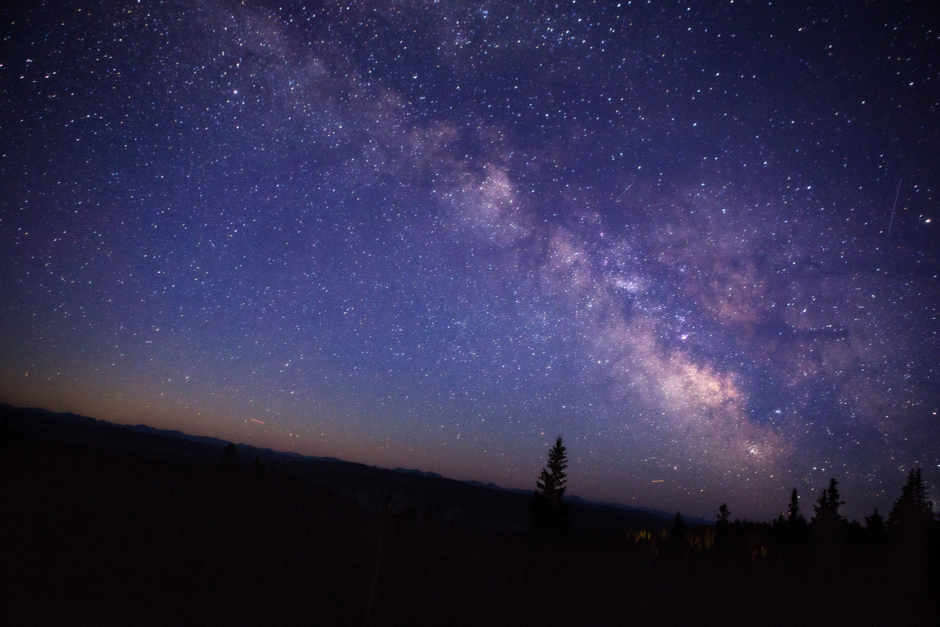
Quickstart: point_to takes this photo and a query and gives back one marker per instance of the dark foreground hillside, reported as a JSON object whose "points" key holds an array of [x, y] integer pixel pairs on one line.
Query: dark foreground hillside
{"points": [[101, 537]]}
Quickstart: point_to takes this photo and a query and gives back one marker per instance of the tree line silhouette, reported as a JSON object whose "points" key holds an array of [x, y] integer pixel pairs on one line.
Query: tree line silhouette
{"points": [[93, 537], [911, 530], [896, 561]]}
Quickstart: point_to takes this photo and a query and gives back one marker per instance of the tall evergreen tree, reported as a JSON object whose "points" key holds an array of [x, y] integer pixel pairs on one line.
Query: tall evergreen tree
{"points": [[827, 506], [912, 534], [677, 535], [828, 524], [723, 529], [914, 502], [723, 514], [875, 526], [912, 512], [795, 517], [549, 509]]}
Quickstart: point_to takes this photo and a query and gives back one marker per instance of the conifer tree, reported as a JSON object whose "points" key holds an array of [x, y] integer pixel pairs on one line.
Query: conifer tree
{"points": [[677, 535], [549, 509], [827, 506], [914, 499], [827, 524], [913, 509], [723, 514], [912, 533], [795, 517], [875, 526]]}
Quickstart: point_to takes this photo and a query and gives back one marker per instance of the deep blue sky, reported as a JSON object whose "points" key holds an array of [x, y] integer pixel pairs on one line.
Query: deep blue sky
{"points": [[700, 240]]}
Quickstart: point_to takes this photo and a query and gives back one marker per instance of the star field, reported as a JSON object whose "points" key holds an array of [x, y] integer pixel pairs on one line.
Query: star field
{"points": [[697, 239]]}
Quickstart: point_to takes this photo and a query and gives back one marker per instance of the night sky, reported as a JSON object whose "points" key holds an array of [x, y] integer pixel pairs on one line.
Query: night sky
{"points": [[701, 240]]}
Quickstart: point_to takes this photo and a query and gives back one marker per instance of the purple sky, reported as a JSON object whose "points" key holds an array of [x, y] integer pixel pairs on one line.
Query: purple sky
{"points": [[438, 234]]}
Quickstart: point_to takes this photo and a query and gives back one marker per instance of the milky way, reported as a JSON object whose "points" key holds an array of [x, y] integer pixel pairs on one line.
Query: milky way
{"points": [[438, 234]]}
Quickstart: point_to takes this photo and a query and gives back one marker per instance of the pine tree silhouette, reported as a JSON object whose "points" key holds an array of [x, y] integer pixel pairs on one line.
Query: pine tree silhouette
{"points": [[913, 507], [828, 525], [677, 535], [549, 509], [794, 516], [723, 514], [912, 535], [875, 527], [827, 506]]}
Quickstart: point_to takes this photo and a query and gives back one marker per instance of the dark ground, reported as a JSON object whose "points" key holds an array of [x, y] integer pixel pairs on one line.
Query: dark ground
{"points": [[133, 534]]}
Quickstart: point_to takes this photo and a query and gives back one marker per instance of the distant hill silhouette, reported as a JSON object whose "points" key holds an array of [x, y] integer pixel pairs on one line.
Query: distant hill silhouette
{"points": [[487, 505], [105, 524]]}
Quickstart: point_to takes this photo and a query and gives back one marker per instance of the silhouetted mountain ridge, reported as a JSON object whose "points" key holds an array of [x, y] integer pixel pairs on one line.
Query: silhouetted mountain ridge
{"points": [[106, 524], [487, 504]]}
